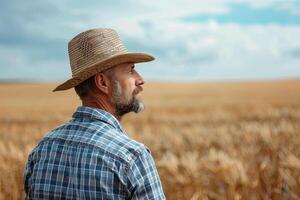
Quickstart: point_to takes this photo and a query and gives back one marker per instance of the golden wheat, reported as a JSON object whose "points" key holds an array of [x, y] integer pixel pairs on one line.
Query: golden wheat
{"points": [[209, 140]]}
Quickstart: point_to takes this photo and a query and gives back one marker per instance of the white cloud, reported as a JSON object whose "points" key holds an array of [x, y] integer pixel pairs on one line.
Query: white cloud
{"points": [[250, 50], [184, 50]]}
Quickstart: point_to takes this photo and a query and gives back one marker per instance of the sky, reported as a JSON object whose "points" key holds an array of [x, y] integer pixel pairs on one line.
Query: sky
{"points": [[192, 40]]}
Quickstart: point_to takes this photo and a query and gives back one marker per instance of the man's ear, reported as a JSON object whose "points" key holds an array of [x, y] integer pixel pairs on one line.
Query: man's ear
{"points": [[102, 82]]}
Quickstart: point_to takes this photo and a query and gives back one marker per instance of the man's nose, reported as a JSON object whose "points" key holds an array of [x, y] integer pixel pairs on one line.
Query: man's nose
{"points": [[139, 80]]}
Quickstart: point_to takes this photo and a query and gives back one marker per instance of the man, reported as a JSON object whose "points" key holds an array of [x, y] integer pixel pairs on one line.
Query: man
{"points": [[91, 156]]}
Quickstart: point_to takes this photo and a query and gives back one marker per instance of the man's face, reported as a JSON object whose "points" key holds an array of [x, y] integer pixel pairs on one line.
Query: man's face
{"points": [[126, 85]]}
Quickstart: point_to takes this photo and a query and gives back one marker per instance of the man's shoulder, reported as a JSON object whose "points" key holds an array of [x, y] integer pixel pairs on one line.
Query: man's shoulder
{"points": [[120, 144], [98, 136], [128, 148]]}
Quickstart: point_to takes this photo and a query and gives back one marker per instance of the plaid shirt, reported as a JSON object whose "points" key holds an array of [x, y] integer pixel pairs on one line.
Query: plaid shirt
{"points": [[91, 157]]}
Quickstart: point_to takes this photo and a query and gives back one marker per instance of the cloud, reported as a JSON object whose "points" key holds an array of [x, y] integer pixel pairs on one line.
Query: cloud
{"points": [[225, 48], [34, 36]]}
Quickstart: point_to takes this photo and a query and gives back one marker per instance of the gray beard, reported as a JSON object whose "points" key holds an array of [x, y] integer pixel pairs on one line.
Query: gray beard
{"points": [[133, 105]]}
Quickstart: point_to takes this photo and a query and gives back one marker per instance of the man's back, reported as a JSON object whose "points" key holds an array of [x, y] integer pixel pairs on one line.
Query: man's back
{"points": [[91, 157]]}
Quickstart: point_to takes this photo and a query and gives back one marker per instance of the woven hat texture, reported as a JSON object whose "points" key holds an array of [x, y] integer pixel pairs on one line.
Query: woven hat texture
{"points": [[96, 50]]}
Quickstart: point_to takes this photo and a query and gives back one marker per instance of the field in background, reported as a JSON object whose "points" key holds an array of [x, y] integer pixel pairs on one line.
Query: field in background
{"points": [[209, 140]]}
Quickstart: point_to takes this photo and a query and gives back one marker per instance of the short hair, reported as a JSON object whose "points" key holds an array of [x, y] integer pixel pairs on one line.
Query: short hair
{"points": [[84, 89]]}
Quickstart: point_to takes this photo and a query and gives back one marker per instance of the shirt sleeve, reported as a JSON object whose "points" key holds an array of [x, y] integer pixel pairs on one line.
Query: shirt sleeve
{"points": [[26, 178], [143, 179]]}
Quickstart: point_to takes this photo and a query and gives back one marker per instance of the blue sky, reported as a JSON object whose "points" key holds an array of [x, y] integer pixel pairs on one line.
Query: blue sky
{"points": [[192, 40]]}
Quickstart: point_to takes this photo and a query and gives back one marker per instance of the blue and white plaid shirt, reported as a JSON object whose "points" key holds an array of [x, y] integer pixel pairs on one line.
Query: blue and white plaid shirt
{"points": [[91, 157]]}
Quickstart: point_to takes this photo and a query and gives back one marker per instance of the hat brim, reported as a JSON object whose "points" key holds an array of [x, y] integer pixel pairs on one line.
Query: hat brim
{"points": [[103, 65]]}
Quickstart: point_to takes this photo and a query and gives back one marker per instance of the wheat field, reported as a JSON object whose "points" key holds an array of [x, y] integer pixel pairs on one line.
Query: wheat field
{"points": [[209, 140]]}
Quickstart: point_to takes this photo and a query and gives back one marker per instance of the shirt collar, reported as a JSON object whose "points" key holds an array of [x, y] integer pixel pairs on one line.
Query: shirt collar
{"points": [[97, 114]]}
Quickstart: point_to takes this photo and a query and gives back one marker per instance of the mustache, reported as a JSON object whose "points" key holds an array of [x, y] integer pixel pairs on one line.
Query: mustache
{"points": [[137, 90]]}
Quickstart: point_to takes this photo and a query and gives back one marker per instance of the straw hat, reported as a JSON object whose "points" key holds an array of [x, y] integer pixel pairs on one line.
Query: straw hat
{"points": [[95, 50]]}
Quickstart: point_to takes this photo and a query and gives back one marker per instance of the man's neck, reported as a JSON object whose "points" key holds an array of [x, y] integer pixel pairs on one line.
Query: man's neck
{"points": [[102, 103]]}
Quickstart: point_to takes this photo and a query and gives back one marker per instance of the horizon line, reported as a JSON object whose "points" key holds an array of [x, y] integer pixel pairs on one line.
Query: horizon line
{"points": [[35, 81]]}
